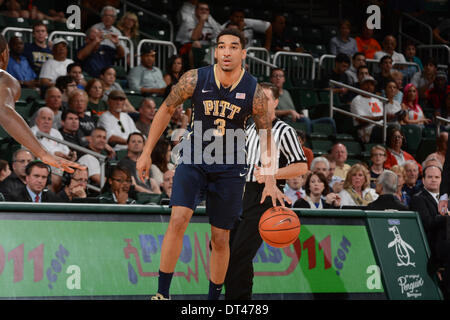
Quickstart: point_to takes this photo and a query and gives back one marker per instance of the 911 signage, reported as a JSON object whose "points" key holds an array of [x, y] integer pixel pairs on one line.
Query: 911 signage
{"points": [[57, 258]]}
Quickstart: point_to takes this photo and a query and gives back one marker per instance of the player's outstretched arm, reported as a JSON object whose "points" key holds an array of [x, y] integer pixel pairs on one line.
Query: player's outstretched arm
{"points": [[19, 130], [182, 91], [268, 149]]}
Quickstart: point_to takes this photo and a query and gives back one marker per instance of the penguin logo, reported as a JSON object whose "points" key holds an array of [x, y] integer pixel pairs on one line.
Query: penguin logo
{"points": [[401, 249]]}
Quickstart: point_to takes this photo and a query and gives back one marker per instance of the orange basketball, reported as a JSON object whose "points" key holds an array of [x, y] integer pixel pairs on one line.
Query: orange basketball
{"points": [[279, 227]]}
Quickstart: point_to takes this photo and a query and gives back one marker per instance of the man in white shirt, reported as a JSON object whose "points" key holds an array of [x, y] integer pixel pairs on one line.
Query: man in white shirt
{"points": [[250, 26], [369, 107], [118, 124], [389, 44], [56, 66], [97, 144]]}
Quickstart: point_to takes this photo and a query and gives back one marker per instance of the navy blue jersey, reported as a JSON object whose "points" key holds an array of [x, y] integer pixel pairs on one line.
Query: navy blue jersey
{"points": [[219, 118]]}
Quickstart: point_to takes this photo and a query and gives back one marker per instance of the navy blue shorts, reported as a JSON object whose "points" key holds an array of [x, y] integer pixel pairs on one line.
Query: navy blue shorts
{"points": [[222, 186]]}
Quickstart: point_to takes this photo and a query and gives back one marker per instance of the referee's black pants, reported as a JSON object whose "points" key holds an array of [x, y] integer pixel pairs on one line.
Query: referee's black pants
{"points": [[245, 242]]}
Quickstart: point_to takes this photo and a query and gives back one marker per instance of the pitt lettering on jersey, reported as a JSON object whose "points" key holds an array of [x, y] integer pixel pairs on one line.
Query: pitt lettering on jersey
{"points": [[218, 107]]}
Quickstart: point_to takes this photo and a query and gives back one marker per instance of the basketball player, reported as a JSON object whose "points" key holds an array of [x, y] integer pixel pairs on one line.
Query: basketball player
{"points": [[14, 124], [224, 96], [245, 236]]}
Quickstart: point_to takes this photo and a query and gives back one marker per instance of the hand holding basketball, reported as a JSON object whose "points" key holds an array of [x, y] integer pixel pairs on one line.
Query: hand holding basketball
{"points": [[279, 227]]}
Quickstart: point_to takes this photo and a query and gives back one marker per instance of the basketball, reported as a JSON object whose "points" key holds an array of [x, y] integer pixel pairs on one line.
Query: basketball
{"points": [[279, 227]]}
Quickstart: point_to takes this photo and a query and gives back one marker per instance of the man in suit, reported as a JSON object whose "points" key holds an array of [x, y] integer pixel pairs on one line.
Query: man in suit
{"points": [[386, 187], [426, 203], [16, 180], [37, 174]]}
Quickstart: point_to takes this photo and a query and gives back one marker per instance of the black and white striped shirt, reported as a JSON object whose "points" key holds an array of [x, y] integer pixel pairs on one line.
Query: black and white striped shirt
{"points": [[289, 149]]}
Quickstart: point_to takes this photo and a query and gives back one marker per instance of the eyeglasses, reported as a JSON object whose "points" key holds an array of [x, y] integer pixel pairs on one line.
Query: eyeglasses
{"points": [[23, 161], [121, 126], [122, 181], [80, 180]]}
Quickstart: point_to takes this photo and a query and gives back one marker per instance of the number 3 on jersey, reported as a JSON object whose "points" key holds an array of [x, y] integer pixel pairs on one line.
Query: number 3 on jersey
{"points": [[220, 123]]}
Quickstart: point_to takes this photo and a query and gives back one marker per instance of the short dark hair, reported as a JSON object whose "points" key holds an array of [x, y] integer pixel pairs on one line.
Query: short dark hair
{"points": [[342, 57], [66, 113], [135, 134], [424, 170], [359, 53], [102, 72], [361, 67], [385, 58], [276, 69], [232, 32], [73, 65], [62, 82], [36, 163], [39, 24]]}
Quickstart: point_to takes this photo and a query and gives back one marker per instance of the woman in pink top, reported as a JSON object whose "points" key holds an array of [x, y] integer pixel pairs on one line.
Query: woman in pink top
{"points": [[411, 105]]}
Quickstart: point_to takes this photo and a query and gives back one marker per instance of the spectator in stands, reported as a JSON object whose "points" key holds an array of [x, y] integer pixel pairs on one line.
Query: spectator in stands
{"points": [[39, 50], [16, 179], [384, 75], [389, 45], [294, 189], [106, 27], [441, 32], [5, 171], [386, 187], [424, 80], [301, 135], [395, 115], [398, 78], [76, 72], [281, 39], [186, 11], [108, 78], [129, 26], [369, 107], [167, 184], [161, 160], [36, 179], [146, 78], [78, 101], [335, 183], [18, 65], [96, 104], [436, 95], [53, 100], [361, 73], [147, 111], [343, 43], [412, 182], [366, 43], [179, 120], [441, 148], [358, 60], [435, 225], [317, 194], [357, 191], [338, 73], [117, 188], [378, 157], [320, 164], [56, 66], [339, 154], [75, 185], [118, 124], [401, 177], [174, 71], [411, 105], [97, 143], [95, 55], [66, 85], [135, 145], [71, 131], [410, 56], [196, 34], [286, 109], [250, 26], [395, 155]]}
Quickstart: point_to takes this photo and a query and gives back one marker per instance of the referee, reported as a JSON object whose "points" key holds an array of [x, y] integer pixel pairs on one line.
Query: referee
{"points": [[245, 240]]}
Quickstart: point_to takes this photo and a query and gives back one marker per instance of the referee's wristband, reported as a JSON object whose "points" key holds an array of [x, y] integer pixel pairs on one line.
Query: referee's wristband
{"points": [[444, 197]]}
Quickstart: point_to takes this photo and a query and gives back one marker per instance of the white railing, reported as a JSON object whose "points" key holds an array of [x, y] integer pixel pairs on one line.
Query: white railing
{"points": [[440, 52], [362, 92], [25, 33], [258, 60], [101, 158], [418, 24], [164, 50], [74, 38], [438, 124], [296, 65]]}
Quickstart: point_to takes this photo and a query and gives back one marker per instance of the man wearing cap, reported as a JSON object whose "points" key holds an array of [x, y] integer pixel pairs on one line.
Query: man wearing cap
{"points": [[118, 124], [57, 66], [368, 107], [146, 78]]}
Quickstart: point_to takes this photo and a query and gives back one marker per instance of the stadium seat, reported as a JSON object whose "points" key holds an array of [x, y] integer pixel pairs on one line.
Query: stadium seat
{"points": [[354, 149], [16, 22], [148, 198], [312, 35], [298, 126], [322, 131], [135, 99], [413, 135], [324, 97], [320, 146], [27, 93], [120, 154], [429, 132], [426, 147], [308, 99]]}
